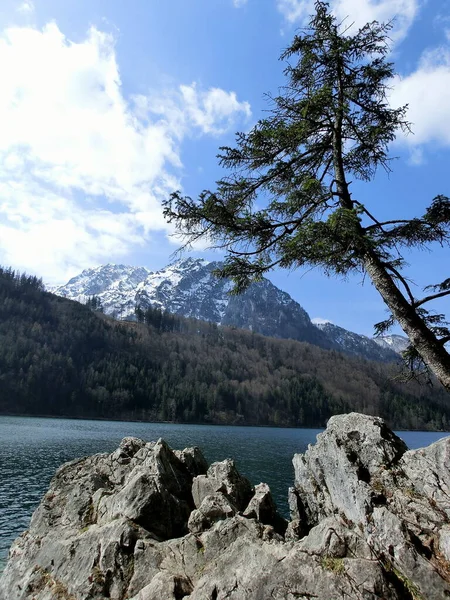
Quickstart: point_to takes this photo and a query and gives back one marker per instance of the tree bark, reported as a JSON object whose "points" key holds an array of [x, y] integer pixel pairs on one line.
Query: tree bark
{"points": [[421, 337]]}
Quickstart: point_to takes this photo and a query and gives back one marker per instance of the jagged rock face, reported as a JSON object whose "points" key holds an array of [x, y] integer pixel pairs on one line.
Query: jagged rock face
{"points": [[223, 477], [188, 288], [396, 343], [114, 284], [265, 309], [361, 345], [372, 521], [397, 500]]}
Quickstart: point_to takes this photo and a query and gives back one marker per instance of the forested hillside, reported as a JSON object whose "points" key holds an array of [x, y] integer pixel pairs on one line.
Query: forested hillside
{"points": [[58, 357]]}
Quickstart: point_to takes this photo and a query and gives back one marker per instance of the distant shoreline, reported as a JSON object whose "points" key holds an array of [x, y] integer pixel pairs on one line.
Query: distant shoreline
{"points": [[122, 420]]}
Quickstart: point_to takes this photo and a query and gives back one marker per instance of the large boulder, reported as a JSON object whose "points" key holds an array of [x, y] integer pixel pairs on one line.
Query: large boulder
{"points": [[82, 537], [370, 521], [213, 508], [361, 474], [223, 477], [334, 475]]}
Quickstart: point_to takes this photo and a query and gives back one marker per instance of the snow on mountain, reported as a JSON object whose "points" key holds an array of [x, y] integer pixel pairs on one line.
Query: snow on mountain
{"points": [[115, 285], [319, 321], [397, 343], [188, 288], [359, 345]]}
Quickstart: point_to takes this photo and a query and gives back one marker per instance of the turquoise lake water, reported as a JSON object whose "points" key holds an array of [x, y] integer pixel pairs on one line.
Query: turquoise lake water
{"points": [[31, 449]]}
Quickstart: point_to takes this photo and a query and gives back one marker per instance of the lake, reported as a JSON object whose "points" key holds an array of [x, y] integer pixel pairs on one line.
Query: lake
{"points": [[31, 449]]}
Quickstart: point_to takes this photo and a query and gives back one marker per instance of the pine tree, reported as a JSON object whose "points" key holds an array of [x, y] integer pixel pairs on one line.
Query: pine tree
{"points": [[94, 303], [140, 314], [330, 125]]}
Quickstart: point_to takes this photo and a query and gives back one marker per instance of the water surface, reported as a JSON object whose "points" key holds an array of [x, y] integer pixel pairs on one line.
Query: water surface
{"points": [[31, 449]]}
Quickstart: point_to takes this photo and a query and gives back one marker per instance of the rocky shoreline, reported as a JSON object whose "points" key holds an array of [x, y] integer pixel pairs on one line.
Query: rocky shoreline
{"points": [[369, 520]]}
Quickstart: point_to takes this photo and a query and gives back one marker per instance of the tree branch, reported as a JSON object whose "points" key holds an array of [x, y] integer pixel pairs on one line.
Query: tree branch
{"points": [[400, 277], [432, 297], [382, 224]]}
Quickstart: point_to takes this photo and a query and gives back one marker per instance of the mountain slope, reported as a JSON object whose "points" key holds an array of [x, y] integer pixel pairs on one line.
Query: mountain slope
{"points": [[188, 288], [396, 343], [360, 345], [57, 357], [115, 285]]}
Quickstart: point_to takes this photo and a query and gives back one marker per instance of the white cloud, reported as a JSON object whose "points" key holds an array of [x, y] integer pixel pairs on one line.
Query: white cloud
{"points": [[213, 111], [320, 321], [295, 11], [83, 170], [416, 156], [358, 12], [239, 3], [427, 93], [49, 234], [26, 7]]}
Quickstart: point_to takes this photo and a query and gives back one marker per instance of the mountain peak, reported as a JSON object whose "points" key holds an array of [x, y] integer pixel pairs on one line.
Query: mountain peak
{"points": [[98, 280], [355, 343], [187, 287], [188, 263]]}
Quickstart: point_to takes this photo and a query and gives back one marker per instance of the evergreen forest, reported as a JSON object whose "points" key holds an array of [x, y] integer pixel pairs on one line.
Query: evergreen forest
{"points": [[62, 358]]}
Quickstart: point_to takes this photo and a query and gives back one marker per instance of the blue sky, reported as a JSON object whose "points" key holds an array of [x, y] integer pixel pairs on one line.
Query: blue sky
{"points": [[107, 106]]}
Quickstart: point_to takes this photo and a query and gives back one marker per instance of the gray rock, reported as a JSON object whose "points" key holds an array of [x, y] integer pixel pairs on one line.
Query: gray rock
{"points": [[333, 539], [293, 531], [223, 477], [203, 486], [334, 475], [193, 460], [370, 521], [398, 501], [241, 564], [262, 507], [156, 494], [213, 508], [82, 537], [298, 526], [128, 447], [428, 471], [165, 586]]}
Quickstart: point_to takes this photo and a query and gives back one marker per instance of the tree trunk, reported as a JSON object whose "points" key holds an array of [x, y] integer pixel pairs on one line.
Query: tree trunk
{"points": [[422, 338]]}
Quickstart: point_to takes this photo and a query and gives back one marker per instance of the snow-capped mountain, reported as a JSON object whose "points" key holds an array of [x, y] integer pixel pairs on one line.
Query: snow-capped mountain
{"points": [[188, 288], [115, 285], [361, 345], [397, 343]]}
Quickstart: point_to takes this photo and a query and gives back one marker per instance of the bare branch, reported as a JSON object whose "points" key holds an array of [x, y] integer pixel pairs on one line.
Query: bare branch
{"points": [[432, 297]]}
